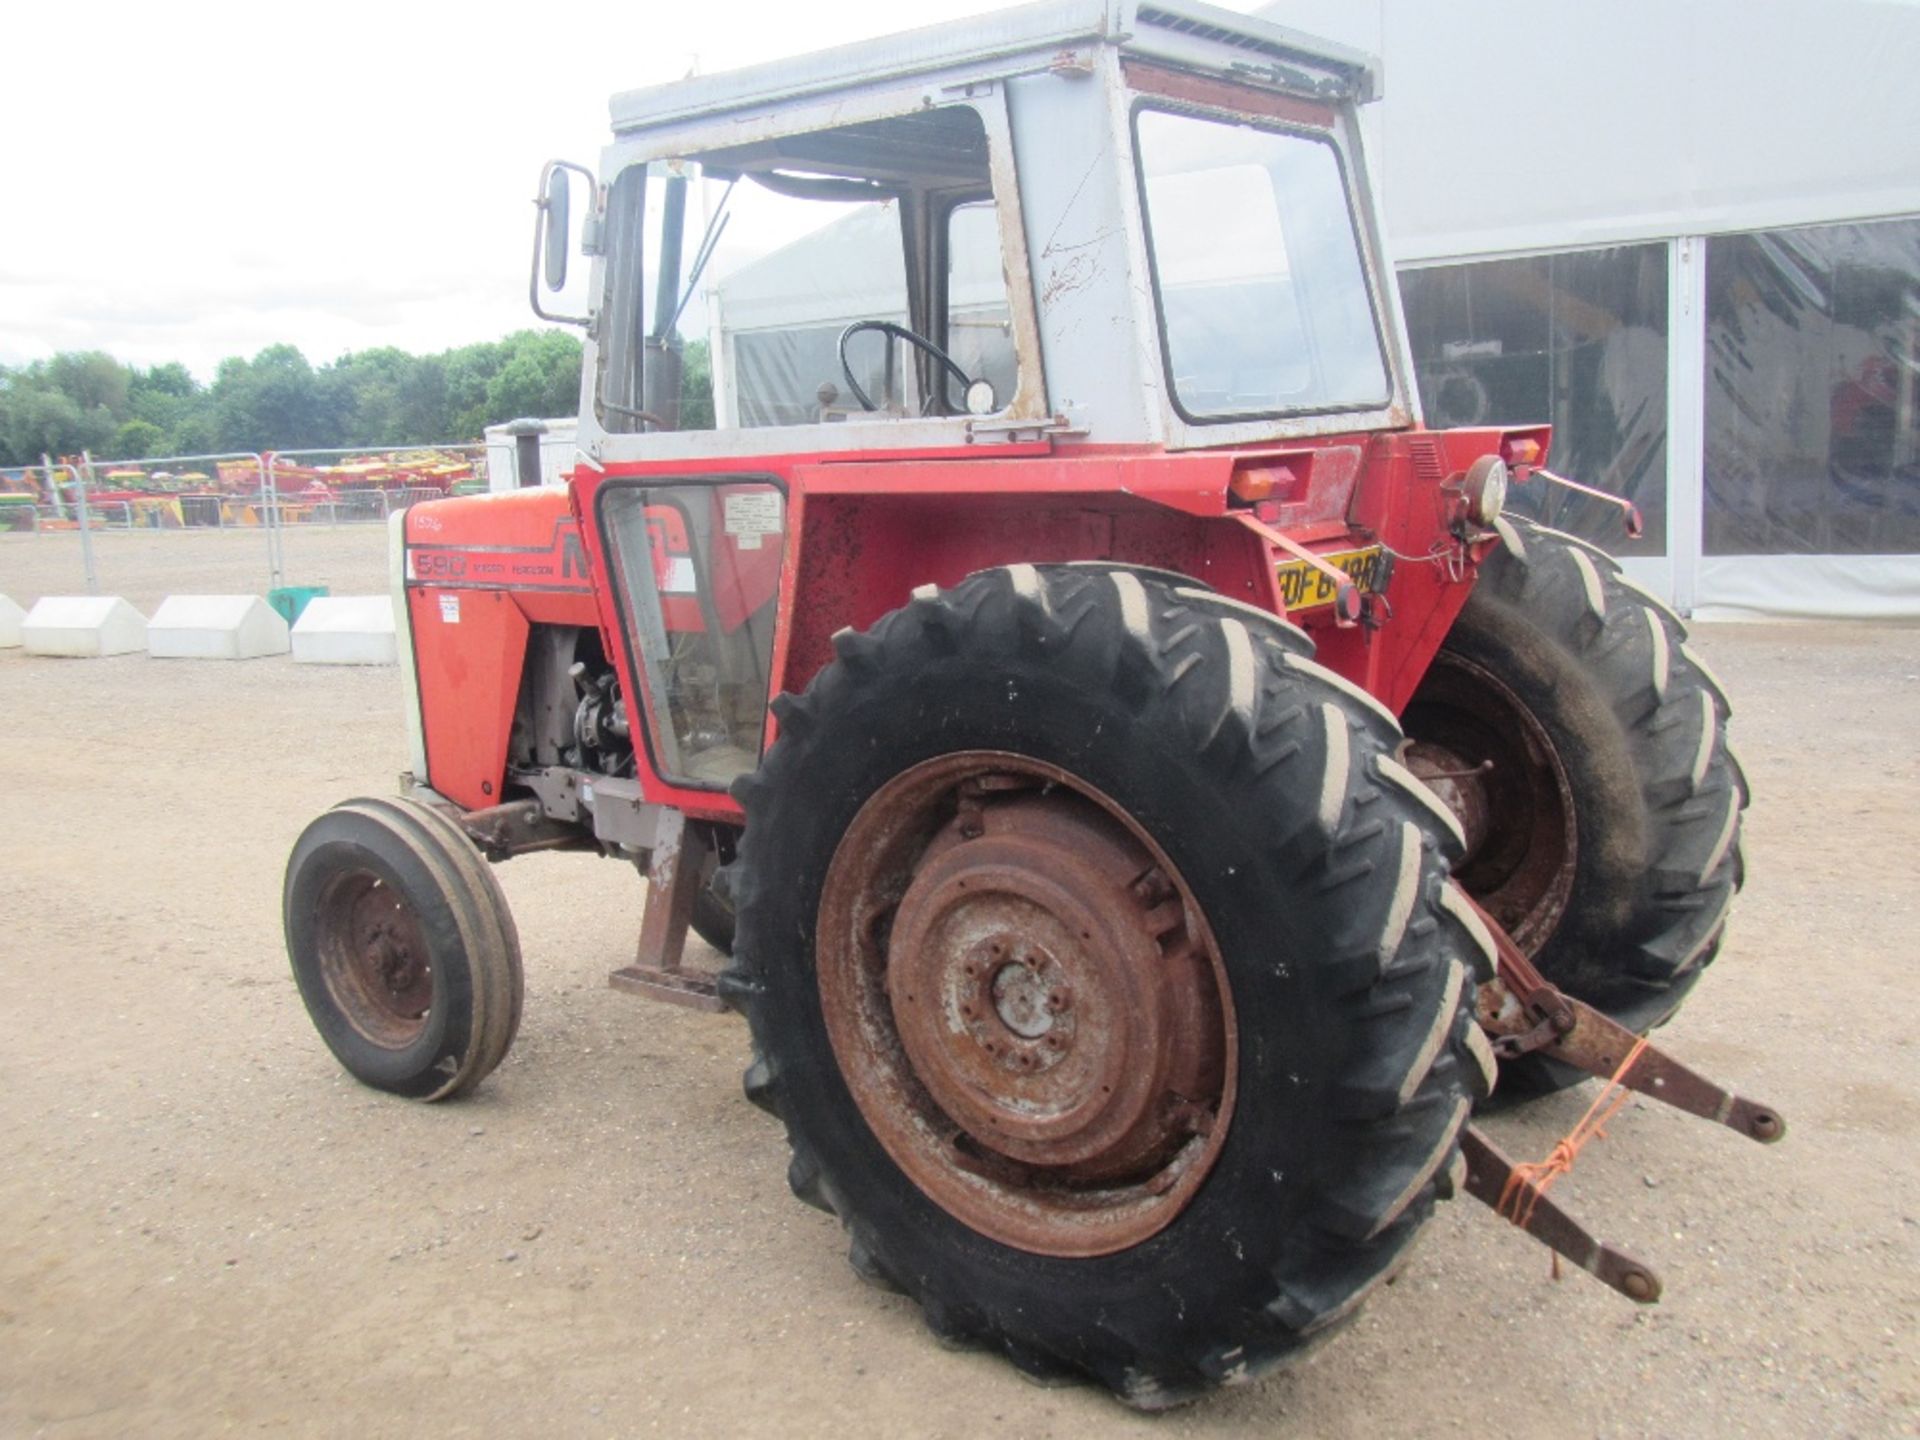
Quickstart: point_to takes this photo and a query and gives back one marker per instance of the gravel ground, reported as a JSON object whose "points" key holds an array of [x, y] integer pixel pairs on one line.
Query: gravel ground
{"points": [[205, 1226]]}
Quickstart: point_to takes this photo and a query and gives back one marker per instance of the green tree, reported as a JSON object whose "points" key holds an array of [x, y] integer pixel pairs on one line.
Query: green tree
{"points": [[539, 375], [92, 380], [422, 401], [169, 398], [272, 401], [277, 400], [696, 387], [39, 419], [468, 372], [196, 432], [137, 438], [362, 396]]}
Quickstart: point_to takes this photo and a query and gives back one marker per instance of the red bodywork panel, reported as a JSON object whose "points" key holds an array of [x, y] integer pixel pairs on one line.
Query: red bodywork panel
{"points": [[480, 570], [864, 529]]}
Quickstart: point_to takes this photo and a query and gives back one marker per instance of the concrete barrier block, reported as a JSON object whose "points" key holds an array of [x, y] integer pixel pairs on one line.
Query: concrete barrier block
{"points": [[215, 627], [83, 626], [346, 630], [10, 617]]}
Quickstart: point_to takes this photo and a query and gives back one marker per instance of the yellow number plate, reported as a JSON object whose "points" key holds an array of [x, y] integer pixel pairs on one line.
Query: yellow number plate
{"points": [[1302, 586]]}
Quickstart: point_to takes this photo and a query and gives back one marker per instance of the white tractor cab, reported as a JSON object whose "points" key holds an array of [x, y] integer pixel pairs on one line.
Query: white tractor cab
{"points": [[1032, 199]]}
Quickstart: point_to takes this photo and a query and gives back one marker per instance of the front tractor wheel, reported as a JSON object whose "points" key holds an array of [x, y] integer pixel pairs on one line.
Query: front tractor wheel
{"points": [[1583, 748], [403, 948], [1103, 966]]}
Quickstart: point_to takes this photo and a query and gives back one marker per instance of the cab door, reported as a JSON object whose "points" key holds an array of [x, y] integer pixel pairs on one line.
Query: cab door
{"points": [[689, 570]]}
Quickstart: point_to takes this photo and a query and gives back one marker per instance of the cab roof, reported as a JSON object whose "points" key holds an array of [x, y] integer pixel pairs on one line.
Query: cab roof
{"points": [[1180, 31]]}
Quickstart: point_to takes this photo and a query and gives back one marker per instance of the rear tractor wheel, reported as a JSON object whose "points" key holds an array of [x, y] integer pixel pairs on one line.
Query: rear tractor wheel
{"points": [[1103, 966], [1583, 748], [403, 948]]}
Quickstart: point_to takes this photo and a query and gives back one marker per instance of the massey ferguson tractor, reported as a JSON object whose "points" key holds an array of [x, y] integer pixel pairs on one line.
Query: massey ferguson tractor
{"points": [[1145, 787]]}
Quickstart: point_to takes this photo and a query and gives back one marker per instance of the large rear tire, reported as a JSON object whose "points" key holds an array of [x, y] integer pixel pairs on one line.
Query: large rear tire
{"points": [[1603, 824], [1032, 838], [403, 948]]}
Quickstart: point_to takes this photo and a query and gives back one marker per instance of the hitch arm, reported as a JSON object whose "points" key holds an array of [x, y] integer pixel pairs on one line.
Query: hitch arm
{"points": [[1524, 1013], [1597, 1045], [1490, 1179]]}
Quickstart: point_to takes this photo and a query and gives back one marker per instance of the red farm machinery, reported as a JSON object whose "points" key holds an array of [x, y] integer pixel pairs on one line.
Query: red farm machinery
{"points": [[1146, 788]]}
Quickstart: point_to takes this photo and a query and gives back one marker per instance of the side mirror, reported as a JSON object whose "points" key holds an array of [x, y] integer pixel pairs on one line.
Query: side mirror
{"points": [[553, 233], [557, 233]]}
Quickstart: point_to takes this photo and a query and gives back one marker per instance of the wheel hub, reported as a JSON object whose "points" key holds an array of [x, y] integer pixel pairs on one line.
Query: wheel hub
{"points": [[1460, 784], [374, 958], [1036, 1028], [1489, 760]]}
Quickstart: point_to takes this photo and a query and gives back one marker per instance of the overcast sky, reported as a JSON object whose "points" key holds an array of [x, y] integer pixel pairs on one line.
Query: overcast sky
{"points": [[192, 181]]}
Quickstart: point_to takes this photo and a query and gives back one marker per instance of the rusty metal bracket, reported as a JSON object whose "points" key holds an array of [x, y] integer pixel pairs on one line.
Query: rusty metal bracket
{"points": [[1597, 1044], [1490, 1179], [520, 828], [1629, 512], [1347, 607], [1524, 1013], [673, 881]]}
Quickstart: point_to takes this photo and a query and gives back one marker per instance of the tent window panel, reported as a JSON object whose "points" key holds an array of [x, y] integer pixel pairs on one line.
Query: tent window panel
{"points": [[1813, 391], [1578, 339], [793, 376]]}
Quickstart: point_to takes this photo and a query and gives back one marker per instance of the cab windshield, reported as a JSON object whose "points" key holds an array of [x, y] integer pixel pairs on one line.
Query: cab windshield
{"points": [[844, 275], [1258, 270]]}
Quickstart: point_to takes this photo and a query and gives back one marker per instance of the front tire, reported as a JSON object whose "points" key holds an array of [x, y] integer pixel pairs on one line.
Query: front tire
{"points": [[403, 948], [1077, 764], [1584, 748]]}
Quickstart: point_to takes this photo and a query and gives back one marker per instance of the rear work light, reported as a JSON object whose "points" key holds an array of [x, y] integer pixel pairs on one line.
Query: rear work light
{"points": [[1254, 483], [1521, 450]]}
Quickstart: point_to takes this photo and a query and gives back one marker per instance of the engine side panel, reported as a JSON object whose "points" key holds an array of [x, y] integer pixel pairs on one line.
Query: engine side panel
{"points": [[478, 571]]}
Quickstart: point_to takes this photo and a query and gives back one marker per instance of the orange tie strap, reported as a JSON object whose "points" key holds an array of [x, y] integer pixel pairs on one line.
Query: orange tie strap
{"points": [[1528, 1182]]}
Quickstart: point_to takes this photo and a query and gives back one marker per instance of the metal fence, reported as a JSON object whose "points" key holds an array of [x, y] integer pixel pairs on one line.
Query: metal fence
{"points": [[275, 493], [302, 488]]}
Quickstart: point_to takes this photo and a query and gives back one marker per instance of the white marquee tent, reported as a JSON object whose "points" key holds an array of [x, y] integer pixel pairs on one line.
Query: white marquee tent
{"points": [[1692, 233]]}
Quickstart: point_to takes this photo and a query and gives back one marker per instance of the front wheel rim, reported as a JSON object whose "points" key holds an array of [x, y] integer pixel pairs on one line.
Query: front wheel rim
{"points": [[1026, 1004], [373, 958]]}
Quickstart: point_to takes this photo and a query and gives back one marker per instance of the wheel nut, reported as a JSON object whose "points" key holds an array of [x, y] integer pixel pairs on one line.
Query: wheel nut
{"points": [[1059, 998]]}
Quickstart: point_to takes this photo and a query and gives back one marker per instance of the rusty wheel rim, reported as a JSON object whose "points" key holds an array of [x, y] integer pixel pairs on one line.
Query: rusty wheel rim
{"points": [[1026, 1003], [374, 958], [1493, 765]]}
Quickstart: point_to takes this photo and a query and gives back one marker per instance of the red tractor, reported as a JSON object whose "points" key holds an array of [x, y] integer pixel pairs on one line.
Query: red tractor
{"points": [[1146, 786]]}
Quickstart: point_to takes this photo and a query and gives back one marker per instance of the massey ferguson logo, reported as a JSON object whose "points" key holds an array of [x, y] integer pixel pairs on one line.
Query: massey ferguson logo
{"points": [[559, 565]]}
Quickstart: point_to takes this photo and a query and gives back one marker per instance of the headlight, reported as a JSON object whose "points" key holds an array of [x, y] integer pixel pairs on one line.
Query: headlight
{"points": [[1485, 490]]}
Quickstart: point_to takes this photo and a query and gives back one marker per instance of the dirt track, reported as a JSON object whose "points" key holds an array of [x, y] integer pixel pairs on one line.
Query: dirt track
{"points": [[205, 1226]]}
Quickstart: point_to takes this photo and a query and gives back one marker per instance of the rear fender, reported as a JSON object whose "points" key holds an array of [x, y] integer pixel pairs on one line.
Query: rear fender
{"points": [[860, 537]]}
